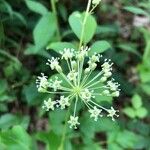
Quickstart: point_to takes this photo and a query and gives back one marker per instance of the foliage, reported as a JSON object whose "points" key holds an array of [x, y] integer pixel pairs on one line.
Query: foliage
{"points": [[28, 28]]}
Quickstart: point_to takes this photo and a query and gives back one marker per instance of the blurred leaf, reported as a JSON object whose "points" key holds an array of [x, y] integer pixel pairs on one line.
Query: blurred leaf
{"points": [[103, 29], [146, 88], [76, 22], [51, 140], [36, 7], [59, 46], [44, 30], [146, 34], [20, 17], [136, 101], [7, 7], [3, 86], [16, 139], [130, 112], [141, 112], [9, 120], [136, 10], [130, 47], [2, 34], [99, 47], [127, 139], [92, 146]]}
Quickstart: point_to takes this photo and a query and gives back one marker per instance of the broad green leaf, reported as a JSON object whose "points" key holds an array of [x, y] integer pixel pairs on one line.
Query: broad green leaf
{"points": [[36, 7], [130, 112], [56, 119], [32, 96], [99, 47], [141, 112], [136, 101], [35, 50], [136, 10], [76, 23], [44, 30], [59, 46], [16, 139]]}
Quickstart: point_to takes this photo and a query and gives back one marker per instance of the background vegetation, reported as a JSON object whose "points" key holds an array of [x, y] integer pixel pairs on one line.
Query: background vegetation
{"points": [[27, 28]]}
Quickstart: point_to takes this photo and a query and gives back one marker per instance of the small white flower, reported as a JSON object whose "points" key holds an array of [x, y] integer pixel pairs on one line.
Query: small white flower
{"points": [[54, 64], [64, 101], [55, 84], [115, 94], [113, 86], [68, 53], [92, 65], [49, 104], [107, 68], [112, 112], [72, 75], [96, 2], [83, 53], [95, 113], [86, 95], [73, 122], [95, 57], [106, 92], [42, 83]]}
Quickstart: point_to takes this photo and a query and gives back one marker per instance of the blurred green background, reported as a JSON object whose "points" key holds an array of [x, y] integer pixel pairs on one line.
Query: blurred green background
{"points": [[27, 28]]}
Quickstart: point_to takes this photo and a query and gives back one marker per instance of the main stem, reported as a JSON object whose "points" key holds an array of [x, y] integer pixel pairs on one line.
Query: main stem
{"points": [[53, 4], [84, 22]]}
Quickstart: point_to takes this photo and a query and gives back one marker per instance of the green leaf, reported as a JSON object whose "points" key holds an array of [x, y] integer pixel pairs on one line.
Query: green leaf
{"points": [[32, 96], [136, 10], [56, 119], [129, 47], [9, 120], [20, 17], [44, 30], [146, 88], [99, 47], [51, 140], [141, 112], [76, 22], [36, 7], [136, 101], [16, 139], [127, 139], [59, 46], [3, 86], [130, 112]]}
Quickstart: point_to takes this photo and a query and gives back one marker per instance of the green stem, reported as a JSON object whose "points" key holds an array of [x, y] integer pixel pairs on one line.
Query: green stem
{"points": [[53, 4], [84, 22]]}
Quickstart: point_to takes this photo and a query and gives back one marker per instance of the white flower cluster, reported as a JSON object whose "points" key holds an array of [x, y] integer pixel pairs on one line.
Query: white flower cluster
{"points": [[82, 84]]}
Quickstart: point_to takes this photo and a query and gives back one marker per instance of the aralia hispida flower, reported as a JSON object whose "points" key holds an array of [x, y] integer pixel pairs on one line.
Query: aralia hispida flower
{"points": [[81, 84]]}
